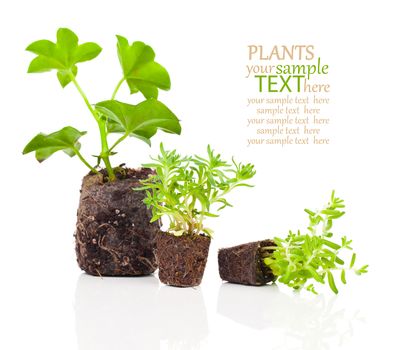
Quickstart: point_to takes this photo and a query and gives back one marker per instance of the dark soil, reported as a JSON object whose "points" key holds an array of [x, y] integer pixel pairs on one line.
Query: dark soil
{"points": [[182, 259], [114, 236], [244, 263]]}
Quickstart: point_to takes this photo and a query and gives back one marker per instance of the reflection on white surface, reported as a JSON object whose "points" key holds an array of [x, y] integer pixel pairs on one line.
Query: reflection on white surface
{"points": [[182, 317], [134, 313], [116, 313], [312, 323]]}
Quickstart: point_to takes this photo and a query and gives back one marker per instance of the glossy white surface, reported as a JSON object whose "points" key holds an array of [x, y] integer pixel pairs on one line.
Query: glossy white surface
{"points": [[140, 313]]}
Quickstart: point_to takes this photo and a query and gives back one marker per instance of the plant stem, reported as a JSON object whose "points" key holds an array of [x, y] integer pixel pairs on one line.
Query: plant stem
{"points": [[270, 247], [105, 150], [117, 88], [102, 127], [72, 77], [118, 141], [84, 161]]}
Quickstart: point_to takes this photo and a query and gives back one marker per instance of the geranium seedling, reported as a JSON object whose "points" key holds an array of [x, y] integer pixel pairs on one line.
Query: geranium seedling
{"points": [[141, 73], [114, 235]]}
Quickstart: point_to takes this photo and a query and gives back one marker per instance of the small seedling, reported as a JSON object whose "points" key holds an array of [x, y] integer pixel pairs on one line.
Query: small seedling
{"points": [[300, 259], [187, 190], [141, 73]]}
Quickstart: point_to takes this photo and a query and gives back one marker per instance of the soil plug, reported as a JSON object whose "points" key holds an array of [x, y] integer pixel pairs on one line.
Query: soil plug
{"points": [[187, 190], [244, 263], [114, 235], [299, 260]]}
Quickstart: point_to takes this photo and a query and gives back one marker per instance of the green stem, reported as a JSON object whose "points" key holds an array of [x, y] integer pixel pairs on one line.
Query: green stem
{"points": [[84, 161], [269, 247], [72, 77], [117, 88], [105, 150], [102, 127], [123, 137]]}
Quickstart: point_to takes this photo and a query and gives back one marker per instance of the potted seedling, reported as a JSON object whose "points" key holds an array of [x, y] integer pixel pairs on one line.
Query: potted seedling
{"points": [[114, 235], [187, 190], [298, 260]]}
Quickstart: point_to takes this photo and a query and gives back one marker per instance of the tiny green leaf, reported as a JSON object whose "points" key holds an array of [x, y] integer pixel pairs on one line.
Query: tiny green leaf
{"points": [[65, 140], [343, 276], [362, 270], [331, 244], [339, 261], [331, 282], [353, 260], [311, 288], [314, 274]]}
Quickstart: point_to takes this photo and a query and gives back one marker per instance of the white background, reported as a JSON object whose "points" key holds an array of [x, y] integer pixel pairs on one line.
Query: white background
{"points": [[47, 303]]}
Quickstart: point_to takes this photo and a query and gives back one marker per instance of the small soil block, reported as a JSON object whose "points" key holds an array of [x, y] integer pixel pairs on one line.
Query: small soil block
{"points": [[114, 236], [182, 259], [244, 264]]}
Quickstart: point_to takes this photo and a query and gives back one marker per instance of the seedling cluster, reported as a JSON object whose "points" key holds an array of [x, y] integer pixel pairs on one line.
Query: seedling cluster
{"points": [[187, 190], [313, 256]]}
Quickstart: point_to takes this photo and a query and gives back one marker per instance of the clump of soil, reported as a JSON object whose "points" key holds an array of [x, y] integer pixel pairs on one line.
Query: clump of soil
{"points": [[114, 236], [244, 264], [182, 259]]}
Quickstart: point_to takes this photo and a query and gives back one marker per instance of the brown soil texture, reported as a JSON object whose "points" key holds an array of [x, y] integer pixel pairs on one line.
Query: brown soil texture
{"points": [[114, 236], [182, 259], [244, 264]]}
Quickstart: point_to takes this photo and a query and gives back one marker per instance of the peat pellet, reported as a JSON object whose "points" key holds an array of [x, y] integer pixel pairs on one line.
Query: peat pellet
{"points": [[244, 264], [114, 236], [182, 259]]}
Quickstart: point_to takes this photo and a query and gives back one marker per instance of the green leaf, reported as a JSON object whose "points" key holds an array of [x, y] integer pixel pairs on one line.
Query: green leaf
{"points": [[62, 56], [311, 288], [310, 212], [353, 260], [331, 282], [208, 214], [343, 277], [65, 140], [140, 70], [86, 52], [362, 270], [42, 47], [314, 274], [67, 40], [331, 244], [339, 261], [63, 76], [44, 64], [142, 120]]}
